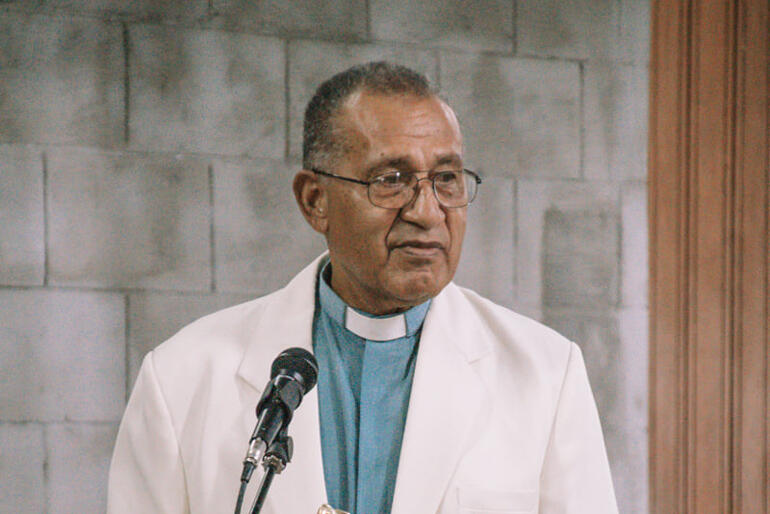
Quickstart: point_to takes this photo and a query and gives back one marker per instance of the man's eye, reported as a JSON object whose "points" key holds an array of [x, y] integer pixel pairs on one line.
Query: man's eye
{"points": [[447, 177], [395, 179]]}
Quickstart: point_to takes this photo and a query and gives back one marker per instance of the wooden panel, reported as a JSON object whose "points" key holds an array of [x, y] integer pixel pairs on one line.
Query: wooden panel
{"points": [[711, 178], [708, 173], [667, 197], [752, 306]]}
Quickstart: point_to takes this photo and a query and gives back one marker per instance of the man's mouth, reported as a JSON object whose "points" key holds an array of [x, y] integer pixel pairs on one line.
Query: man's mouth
{"points": [[420, 248]]}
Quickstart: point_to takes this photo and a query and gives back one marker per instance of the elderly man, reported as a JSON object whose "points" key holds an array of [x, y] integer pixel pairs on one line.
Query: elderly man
{"points": [[430, 398]]}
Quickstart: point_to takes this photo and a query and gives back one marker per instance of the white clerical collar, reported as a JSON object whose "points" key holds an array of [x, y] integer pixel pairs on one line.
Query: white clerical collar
{"points": [[375, 329]]}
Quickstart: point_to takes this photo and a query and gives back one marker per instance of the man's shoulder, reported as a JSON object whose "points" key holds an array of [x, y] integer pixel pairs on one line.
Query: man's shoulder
{"points": [[223, 336], [515, 353], [219, 337], [507, 323], [510, 337]]}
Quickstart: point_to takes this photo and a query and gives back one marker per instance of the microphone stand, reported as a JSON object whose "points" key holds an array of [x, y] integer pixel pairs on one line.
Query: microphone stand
{"points": [[293, 373], [275, 460]]}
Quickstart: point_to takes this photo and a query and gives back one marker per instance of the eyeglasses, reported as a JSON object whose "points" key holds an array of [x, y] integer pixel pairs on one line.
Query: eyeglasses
{"points": [[395, 189]]}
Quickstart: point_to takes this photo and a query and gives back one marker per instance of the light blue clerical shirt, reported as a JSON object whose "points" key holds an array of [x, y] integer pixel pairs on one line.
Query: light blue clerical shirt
{"points": [[366, 364]]}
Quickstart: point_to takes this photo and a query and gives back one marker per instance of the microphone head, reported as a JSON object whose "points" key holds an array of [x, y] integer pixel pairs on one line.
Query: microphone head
{"points": [[298, 364]]}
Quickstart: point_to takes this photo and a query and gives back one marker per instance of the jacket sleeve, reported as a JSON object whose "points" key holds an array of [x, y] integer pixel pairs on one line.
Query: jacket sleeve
{"points": [[146, 473], [576, 474]]}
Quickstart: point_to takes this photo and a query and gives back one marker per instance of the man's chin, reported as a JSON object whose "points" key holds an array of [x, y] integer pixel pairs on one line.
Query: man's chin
{"points": [[416, 288]]}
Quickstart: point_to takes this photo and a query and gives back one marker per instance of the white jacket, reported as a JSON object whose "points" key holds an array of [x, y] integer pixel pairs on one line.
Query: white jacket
{"points": [[501, 416]]}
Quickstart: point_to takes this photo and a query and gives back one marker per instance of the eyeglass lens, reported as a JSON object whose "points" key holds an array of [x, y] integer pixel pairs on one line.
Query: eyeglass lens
{"points": [[395, 190]]}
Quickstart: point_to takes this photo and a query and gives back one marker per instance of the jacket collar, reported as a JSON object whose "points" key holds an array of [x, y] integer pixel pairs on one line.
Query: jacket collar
{"points": [[282, 320], [447, 396]]}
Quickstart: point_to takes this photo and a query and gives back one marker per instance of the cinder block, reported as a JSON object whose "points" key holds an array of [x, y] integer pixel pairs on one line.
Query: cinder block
{"points": [[22, 461], [519, 117], [635, 31], [626, 433], [532, 311], [615, 351], [575, 229], [567, 237], [615, 122], [487, 263], [171, 10], [78, 464], [580, 260], [570, 278], [63, 355], [614, 345], [312, 62], [128, 220], [338, 19], [22, 244], [579, 29], [634, 250], [598, 337], [205, 91], [467, 25], [22, 5], [61, 80], [634, 329], [262, 240], [627, 451], [154, 317]]}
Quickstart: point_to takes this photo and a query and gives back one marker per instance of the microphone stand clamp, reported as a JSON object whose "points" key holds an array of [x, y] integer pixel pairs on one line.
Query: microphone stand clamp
{"points": [[277, 456]]}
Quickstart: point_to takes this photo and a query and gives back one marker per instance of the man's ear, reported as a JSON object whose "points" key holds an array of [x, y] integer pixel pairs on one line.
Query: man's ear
{"points": [[312, 200]]}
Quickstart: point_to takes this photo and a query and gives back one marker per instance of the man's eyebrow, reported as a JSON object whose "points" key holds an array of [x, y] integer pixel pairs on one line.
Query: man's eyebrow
{"points": [[451, 158], [404, 163], [399, 163]]}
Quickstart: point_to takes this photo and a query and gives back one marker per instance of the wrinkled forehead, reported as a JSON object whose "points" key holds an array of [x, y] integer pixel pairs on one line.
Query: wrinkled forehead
{"points": [[383, 110], [371, 119]]}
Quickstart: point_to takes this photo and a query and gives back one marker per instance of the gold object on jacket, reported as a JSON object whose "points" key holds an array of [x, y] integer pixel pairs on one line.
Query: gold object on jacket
{"points": [[325, 509]]}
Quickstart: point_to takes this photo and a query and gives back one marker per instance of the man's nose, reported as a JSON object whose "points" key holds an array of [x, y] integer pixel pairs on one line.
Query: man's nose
{"points": [[424, 209]]}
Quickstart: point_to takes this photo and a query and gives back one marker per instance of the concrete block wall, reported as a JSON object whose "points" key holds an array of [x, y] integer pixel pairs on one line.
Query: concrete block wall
{"points": [[146, 153]]}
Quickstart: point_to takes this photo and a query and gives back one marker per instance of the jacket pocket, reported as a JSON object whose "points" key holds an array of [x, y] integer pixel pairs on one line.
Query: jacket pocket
{"points": [[492, 501]]}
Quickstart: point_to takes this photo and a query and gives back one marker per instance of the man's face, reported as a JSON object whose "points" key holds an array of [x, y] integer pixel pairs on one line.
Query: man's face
{"points": [[387, 260]]}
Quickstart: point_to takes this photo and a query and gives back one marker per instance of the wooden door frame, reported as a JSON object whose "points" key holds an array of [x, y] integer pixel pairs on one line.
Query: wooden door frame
{"points": [[709, 287]]}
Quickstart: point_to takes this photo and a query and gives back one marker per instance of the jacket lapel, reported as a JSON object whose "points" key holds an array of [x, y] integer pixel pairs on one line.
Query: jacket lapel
{"points": [[285, 322], [447, 402]]}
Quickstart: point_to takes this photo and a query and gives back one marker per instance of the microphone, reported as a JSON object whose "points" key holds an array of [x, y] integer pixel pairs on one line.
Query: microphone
{"points": [[292, 375]]}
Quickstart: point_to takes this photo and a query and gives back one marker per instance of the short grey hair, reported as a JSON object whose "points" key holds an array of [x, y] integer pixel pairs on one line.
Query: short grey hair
{"points": [[320, 145]]}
